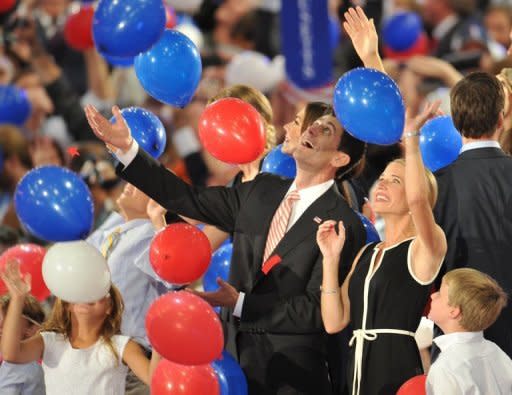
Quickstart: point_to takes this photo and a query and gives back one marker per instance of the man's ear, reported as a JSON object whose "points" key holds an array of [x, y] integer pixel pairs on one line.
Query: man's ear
{"points": [[340, 159]]}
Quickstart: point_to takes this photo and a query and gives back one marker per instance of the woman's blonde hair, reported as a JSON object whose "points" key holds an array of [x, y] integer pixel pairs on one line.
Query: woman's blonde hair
{"points": [[259, 101], [477, 295], [60, 319], [431, 183]]}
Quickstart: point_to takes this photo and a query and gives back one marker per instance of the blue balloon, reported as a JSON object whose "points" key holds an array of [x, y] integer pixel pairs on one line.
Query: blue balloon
{"points": [[15, 107], [219, 267], [277, 162], [440, 142], [118, 61], [146, 129], [231, 377], [402, 30], [170, 71], [369, 106], [54, 204], [127, 27], [371, 233]]}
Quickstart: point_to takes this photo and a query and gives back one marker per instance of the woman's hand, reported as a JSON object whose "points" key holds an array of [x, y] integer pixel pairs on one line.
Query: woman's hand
{"points": [[362, 32], [414, 124], [19, 286], [116, 135], [329, 241]]}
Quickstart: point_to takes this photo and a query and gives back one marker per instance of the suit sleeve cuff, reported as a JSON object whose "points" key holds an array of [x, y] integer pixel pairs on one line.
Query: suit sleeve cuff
{"points": [[127, 157], [237, 312]]}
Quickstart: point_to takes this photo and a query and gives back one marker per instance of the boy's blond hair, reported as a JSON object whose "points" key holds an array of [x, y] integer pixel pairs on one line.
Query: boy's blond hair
{"points": [[478, 296]]}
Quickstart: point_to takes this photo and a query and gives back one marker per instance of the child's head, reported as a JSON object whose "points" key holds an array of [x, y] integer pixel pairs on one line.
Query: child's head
{"points": [[33, 315], [108, 310], [468, 300]]}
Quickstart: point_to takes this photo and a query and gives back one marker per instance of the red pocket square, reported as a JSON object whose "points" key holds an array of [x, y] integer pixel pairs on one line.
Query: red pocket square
{"points": [[270, 263]]}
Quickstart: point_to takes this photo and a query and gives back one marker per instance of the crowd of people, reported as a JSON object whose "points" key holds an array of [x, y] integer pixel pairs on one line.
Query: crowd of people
{"points": [[309, 306]]}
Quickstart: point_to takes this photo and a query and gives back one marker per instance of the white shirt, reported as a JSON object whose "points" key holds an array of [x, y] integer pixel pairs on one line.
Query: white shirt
{"points": [[469, 365], [131, 270], [88, 371], [480, 144], [21, 379], [307, 197]]}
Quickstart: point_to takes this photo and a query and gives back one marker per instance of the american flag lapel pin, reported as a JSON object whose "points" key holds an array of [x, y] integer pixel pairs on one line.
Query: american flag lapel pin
{"points": [[318, 220]]}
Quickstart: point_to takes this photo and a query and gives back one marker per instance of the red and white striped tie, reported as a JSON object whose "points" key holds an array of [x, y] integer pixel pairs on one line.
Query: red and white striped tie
{"points": [[280, 223]]}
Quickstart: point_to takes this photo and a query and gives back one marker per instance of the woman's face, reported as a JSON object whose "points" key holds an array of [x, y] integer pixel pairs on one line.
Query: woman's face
{"points": [[388, 196], [292, 129]]}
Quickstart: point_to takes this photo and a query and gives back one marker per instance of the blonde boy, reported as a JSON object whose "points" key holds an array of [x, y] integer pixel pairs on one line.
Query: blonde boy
{"points": [[467, 303]]}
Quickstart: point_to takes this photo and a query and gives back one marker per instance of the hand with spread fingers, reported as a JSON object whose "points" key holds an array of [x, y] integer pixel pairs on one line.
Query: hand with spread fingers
{"points": [[225, 296], [19, 286], [362, 33], [116, 135]]}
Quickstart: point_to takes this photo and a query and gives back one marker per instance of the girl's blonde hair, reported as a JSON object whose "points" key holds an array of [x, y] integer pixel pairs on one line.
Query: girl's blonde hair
{"points": [[431, 183], [259, 101], [60, 319]]}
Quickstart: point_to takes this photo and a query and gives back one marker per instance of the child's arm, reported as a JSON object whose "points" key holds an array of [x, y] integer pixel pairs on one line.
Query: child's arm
{"points": [[143, 368], [13, 349]]}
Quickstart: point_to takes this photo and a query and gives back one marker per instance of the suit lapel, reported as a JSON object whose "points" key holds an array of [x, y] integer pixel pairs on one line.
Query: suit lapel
{"points": [[304, 226]]}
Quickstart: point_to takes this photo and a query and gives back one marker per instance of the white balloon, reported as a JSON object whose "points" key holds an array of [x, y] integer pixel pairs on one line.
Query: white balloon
{"points": [[76, 272], [192, 32]]}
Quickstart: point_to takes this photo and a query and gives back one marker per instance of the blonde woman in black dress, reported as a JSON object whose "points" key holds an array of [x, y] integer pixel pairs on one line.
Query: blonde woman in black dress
{"points": [[387, 289]]}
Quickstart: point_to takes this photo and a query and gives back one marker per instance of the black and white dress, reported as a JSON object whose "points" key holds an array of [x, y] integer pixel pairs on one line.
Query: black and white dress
{"points": [[386, 305]]}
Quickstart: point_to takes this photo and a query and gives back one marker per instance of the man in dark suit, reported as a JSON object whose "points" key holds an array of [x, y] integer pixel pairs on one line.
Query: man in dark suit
{"points": [[474, 206], [272, 305]]}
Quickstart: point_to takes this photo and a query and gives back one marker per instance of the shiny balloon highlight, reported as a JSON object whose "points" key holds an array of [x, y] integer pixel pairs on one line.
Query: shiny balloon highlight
{"points": [[146, 128], [440, 142], [54, 204], [171, 70], [369, 106], [184, 329], [232, 131], [128, 27]]}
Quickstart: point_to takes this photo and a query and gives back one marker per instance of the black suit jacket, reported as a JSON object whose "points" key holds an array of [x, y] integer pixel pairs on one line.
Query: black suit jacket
{"points": [[474, 208], [279, 339]]}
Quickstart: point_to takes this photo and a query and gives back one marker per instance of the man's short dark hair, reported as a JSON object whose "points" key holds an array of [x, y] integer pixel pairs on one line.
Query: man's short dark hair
{"points": [[476, 103]]}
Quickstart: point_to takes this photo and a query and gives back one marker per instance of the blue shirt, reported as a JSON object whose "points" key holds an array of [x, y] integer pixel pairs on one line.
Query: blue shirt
{"points": [[21, 379], [128, 245]]}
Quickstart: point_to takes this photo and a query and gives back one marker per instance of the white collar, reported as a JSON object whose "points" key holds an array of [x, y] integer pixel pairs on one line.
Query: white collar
{"points": [[480, 144], [444, 26], [446, 341], [313, 191]]}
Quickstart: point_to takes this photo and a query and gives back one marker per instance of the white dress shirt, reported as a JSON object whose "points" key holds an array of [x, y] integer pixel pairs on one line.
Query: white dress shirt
{"points": [[469, 365], [131, 270], [480, 144]]}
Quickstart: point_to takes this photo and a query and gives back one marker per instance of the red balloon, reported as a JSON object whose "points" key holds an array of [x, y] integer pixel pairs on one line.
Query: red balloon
{"points": [[6, 5], [172, 379], [30, 257], [232, 131], [170, 17], [180, 253], [420, 47], [183, 328], [414, 386], [78, 29]]}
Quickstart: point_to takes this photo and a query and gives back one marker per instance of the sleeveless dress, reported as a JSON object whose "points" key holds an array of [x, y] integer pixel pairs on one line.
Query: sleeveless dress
{"points": [[385, 310]]}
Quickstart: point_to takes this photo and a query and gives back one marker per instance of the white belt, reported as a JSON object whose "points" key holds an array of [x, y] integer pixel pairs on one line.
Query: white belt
{"points": [[360, 335]]}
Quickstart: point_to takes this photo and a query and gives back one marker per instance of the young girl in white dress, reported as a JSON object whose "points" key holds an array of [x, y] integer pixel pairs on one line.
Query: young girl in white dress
{"points": [[80, 345]]}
